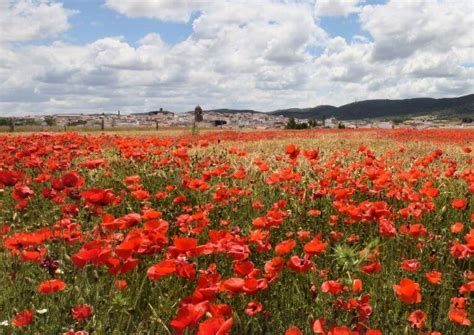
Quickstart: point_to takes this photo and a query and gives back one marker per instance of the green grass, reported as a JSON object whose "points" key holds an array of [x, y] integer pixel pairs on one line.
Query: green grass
{"points": [[146, 307]]}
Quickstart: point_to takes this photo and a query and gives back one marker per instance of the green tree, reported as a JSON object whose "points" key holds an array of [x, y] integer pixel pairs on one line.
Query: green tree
{"points": [[312, 123], [291, 123], [4, 121], [50, 120]]}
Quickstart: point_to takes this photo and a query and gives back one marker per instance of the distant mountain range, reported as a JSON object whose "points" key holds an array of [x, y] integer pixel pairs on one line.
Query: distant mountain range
{"points": [[382, 109], [233, 111]]}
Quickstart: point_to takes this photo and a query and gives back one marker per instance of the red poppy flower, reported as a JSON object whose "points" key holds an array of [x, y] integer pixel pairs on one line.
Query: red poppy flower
{"points": [[10, 178], [376, 332], [316, 246], [356, 285], [274, 266], [233, 285], [434, 277], [341, 330], [332, 286], [81, 312], [188, 316], [243, 268], [179, 199], [459, 316], [33, 255], [98, 197], [458, 303], [120, 284], [408, 291], [457, 227], [257, 205], [414, 230], [311, 154], [314, 212], [89, 253], [161, 269], [410, 265], [125, 249], [71, 179], [304, 235], [215, 326], [299, 264], [285, 247], [417, 319], [292, 151], [185, 244], [372, 267], [459, 203], [239, 174], [253, 308], [51, 286], [23, 318], [94, 163], [22, 192], [131, 179], [141, 195], [293, 331], [469, 287], [387, 228], [185, 269], [160, 195], [318, 326]]}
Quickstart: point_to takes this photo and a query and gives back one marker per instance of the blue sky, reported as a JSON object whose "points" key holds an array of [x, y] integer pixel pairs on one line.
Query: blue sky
{"points": [[63, 56], [95, 20]]}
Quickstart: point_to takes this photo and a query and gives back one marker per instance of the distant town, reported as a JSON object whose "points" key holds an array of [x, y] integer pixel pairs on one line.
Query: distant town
{"points": [[227, 119]]}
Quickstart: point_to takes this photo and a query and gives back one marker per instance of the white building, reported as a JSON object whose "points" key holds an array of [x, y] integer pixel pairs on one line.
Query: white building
{"points": [[331, 122], [385, 125]]}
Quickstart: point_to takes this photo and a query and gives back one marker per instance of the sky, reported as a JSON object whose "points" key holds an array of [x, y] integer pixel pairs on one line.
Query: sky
{"points": [[90, 56]]}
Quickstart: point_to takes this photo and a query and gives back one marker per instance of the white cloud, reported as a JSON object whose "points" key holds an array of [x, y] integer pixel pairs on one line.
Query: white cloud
{"points": [[243, 54], [166, 10], [336, 7], [29, 19], [401, 28], [428, 65]]}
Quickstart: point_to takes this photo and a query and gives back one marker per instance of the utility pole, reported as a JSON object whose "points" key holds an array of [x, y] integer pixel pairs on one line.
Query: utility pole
{"points": [[102, 122], [12, 124]]}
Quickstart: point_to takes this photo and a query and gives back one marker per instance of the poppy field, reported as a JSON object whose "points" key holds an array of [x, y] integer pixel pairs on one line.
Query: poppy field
{"points": [[329, 232]]}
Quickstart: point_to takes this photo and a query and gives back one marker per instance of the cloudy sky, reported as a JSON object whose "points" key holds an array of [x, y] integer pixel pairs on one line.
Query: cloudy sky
{"points": [[138, 55]]}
